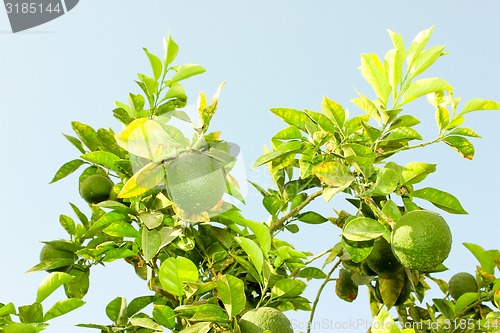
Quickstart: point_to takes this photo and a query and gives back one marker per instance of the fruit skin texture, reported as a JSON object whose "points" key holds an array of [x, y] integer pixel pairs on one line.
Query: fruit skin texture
{"points": [[96, 188], [265, 318], [462, 283], [196, 182], [51, 253], [421, 240], [381, 260]]}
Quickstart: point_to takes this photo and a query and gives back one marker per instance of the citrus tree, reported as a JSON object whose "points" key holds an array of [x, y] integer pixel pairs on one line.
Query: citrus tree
{"points": [[165, 202]]}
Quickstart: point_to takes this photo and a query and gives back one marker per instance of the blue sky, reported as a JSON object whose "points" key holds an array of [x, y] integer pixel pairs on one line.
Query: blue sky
{"points": [[271, 54]]}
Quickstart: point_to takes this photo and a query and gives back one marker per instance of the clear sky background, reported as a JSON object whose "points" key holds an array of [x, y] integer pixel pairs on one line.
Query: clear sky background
{"points": [[271, 54]]}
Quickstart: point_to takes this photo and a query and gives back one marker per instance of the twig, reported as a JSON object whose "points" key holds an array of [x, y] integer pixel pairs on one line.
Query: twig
{"points": [[318, 295], [279, 223], [310, 260]]}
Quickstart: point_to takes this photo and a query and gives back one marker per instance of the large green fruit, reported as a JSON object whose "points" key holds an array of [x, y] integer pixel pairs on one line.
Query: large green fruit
{"points": [[381, 260], [196, 182], [261, 319], [421, 240], [96, 188], [462, 283], [60, 261]]}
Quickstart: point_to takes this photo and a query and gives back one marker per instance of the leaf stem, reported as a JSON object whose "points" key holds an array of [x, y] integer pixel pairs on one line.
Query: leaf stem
{"points": [[318, 295], [279, 223]]}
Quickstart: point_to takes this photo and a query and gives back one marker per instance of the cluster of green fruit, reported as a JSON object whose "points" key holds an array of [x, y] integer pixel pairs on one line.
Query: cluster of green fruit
{"points": [[421, 241]]}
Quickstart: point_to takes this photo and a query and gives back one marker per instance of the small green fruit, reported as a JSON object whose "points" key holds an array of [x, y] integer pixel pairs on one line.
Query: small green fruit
{"points": [[96, 188], [381, 260], [265, 318], [462, 283]]}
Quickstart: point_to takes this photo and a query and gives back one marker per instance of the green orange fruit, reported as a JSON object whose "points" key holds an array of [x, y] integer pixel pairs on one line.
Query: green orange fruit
{"points": [[265, 318], [421, 240], [96, 188], [195, 182], [381, 260], [462, 283]]}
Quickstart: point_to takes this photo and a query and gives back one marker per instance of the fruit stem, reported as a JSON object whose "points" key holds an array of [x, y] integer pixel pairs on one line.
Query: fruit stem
{"points": [[318, 295], [279, 223]]}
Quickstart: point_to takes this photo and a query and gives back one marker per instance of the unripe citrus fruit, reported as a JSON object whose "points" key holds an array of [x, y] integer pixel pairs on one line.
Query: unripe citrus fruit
{"points": [[96, 188], [261, 319], [462, 283], [421, 240], [196, 182], [381, 259], [50, 253]]}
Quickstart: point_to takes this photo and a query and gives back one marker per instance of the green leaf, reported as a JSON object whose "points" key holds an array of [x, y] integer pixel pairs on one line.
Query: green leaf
{"points": [[174, 272], [31, 313], [383, 323], [62, 307], [334, 174], [176, 90], [398, 42], [48, 285], [374, 73], [156, 64], [164, 316], [117, 206], [287, 288], [231, 291], [440, 199], [442, 117], [272, 204], [116, 310], [87, 134], [464, 132], [103, 158], [311, 273], [67, 169], [415, 172], [19, 328], [139, 303], [365, 104], [390, 286], [292, 117], [150, 176], [151, 242], [404, 121], [417, 46], [426, 59], [311, 218], [322, 121], [198, 328], [334, 111], [393, 62], [121, 229], [386, 183], [79, 285], [148, 139], [288, 133], [266, 158], [186, 71], [463, 146], [423, 87], [363, 229], [68, 224], [253, 251], [106, 220], [171, 50], [75, 142], [7, 309], [478, 104], [402, 133], [146, 323]]}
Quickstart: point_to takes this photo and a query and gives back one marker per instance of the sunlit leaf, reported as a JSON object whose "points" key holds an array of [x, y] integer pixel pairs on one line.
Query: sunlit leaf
{"points": [[156, 64], [62, 307], [463, 146], [186, 71], [417, 45], [171, 50], [232, 294], [174, 272], [440, 199], [423, 87], [478, 104], [48, 285], [415, 172], [253, 251], [363, 229], [67, 169], [292, 117], [374, 73]]}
